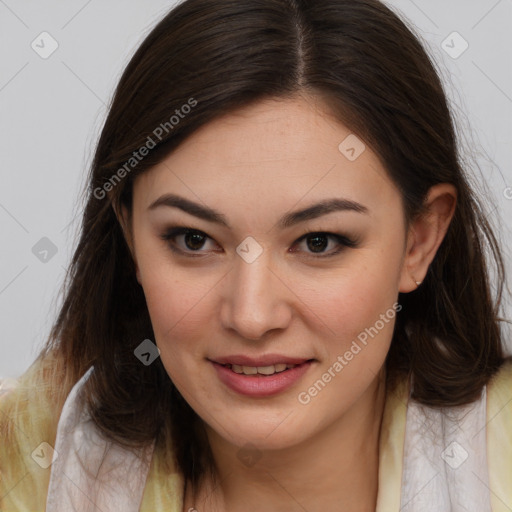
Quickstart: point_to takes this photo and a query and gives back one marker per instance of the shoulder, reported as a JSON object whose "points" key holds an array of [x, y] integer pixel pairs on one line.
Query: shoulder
{"points": [[29, 414], [499, 436]]}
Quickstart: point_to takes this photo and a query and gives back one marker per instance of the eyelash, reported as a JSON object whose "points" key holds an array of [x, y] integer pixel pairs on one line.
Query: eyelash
{"points": [[174, 232]]}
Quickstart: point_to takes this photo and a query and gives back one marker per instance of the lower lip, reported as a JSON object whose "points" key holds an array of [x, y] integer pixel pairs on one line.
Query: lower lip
{"points": [[261, 385]]}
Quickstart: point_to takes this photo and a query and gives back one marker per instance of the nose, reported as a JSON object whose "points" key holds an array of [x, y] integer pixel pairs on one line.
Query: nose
{"points": [[255, 299]]}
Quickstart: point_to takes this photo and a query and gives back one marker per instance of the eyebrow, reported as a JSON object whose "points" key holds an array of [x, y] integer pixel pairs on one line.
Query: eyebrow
{"points": [[290, 219]]}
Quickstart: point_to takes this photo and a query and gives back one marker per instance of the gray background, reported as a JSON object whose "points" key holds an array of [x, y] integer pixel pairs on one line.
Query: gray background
{"points": [[51, 111]]}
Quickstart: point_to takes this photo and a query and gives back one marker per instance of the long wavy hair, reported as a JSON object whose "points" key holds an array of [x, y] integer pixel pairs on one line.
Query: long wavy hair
{"points": [[376, 77]]}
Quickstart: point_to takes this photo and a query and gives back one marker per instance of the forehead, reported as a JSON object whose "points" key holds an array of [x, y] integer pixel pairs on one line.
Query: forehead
{"points": [[275, 152]]}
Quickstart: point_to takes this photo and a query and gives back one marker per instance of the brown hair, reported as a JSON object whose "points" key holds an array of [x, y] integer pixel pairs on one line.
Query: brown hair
{"points": [[375, 76]]}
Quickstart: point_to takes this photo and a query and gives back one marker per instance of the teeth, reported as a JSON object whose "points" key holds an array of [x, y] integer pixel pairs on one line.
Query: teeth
{"points": [[262, 370], [266, 370]]}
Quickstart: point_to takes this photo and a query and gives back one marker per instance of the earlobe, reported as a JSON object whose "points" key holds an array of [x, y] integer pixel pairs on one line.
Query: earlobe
{"points": [[426, 234]]}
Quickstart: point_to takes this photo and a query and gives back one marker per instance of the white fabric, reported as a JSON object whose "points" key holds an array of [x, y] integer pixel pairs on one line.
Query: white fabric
{"points": [[445, 459], [444, 470], [89, 473]]}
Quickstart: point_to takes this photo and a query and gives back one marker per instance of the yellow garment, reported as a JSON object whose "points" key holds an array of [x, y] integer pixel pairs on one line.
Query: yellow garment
{"points": [[499, 439], [29, 416]]}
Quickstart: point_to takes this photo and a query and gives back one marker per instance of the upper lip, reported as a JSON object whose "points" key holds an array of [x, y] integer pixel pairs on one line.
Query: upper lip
{"points": [[265, 360]]}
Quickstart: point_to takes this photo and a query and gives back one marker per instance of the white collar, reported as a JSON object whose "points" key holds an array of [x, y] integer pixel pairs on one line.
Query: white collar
{"points": [[445, 459], [90, 473]]}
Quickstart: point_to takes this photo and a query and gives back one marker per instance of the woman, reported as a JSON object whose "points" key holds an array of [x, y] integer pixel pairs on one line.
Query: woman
{"points": [[280, 298]]}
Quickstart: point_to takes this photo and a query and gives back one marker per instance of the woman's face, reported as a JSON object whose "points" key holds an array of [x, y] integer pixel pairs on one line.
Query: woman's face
{"points": [[249, 288]]}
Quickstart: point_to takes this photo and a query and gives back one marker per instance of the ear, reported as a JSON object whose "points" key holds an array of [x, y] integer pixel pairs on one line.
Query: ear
{"points": [[426, 234], [123, 217]]}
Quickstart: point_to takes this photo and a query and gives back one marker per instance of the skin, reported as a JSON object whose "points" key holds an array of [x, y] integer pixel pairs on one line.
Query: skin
{"points": [[253, 166]]}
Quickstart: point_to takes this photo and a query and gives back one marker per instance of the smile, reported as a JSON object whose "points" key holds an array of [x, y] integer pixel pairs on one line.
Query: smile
{"points": [[261, 381], [261, 370]]}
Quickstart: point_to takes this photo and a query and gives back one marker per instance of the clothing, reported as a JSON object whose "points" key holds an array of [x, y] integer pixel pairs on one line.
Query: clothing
{"points": [[428, 461]]}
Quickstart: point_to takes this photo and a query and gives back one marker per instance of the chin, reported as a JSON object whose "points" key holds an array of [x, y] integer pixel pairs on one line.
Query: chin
{"points": [[272, 435]]}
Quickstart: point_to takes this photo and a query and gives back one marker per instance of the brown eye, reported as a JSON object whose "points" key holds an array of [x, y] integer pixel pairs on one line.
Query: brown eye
{"points": [[186, 240], [194, 241], [317, 243]]}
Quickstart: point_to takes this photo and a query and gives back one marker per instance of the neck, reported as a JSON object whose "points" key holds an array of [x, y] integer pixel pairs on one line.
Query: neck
{"points": [[335, 470]]}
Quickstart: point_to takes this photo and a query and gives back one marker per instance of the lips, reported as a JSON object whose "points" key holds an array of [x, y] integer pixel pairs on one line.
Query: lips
{"points": [[263, 376], [265, 360]]}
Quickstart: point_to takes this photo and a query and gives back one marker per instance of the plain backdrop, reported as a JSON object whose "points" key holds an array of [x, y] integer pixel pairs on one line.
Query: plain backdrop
{"points": [[52, 109]]}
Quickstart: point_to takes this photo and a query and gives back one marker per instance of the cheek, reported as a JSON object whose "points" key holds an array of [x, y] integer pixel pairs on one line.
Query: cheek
{"points": [[177, 307], [180, 316], [180, 308], [171, 295], [362, 317], [360, 306]]}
